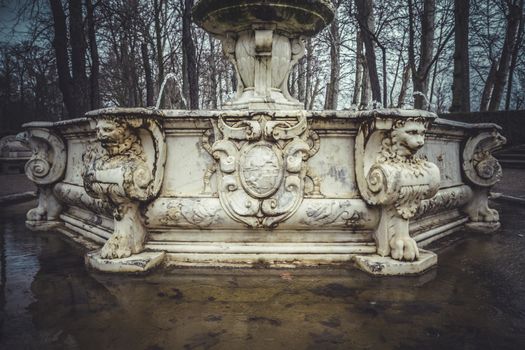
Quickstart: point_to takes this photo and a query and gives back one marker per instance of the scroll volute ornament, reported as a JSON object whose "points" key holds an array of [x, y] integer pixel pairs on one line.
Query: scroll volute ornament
{"points": [[126, 170], [45, 168], [479, 165], [48, 161], [483, 171], [390, 174]]}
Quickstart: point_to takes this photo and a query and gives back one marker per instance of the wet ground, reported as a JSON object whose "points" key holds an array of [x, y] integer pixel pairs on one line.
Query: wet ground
{"points": [[475, 299]]}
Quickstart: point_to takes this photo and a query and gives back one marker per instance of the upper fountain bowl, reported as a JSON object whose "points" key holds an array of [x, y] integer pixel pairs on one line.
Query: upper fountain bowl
{"points": [[294, 17]]}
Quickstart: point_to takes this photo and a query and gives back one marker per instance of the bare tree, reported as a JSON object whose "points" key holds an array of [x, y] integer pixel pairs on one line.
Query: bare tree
{"points": [[461, 82]]}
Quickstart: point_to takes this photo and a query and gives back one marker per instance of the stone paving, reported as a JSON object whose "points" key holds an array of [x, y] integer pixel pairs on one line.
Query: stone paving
{"points": [[512, 184]]}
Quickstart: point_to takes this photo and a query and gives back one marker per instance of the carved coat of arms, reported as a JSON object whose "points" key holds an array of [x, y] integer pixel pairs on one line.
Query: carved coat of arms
{"points": [[262, 166]]}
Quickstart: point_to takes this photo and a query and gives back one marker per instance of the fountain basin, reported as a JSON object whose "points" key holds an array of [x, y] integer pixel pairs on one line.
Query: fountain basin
{"points": [[293, 17], [260, 188]]}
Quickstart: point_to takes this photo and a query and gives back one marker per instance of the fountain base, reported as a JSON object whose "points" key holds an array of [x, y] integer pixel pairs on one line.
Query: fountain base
{"points": [[260, 189]]}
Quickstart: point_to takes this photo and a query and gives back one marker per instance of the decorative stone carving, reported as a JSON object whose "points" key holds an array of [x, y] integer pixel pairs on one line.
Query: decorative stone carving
{"points": [[263, 41], [449, 198], [201, 213], [45, 168], [125, 173], [326, 213], [390, 174], [262, 167], [483, 171]]}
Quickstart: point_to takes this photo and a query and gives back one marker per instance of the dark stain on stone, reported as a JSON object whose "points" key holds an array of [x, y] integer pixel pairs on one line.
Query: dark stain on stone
{"points": [[214, 318], [154, 347], [326, 338], [204, 341], [335, 290], [432, 332], [266, 320], [332, 322], [178, 294]]}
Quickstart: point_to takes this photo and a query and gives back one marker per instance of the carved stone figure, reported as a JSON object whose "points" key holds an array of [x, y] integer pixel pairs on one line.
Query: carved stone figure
{"points": [[262, 46], [45, 168], [390, 174], [261, 164], [483, 171], [124, 175]]}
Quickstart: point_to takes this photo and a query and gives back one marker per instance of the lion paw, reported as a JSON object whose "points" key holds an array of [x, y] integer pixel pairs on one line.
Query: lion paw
{"points": [[404, 248], [117, 247]]}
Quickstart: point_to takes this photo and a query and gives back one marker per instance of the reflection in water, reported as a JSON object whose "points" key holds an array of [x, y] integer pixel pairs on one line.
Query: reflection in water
{"points": [[474, 300]]}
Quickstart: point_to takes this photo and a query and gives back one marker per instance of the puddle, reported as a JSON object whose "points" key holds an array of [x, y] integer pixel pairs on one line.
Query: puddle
{"points": [[475, 299]]}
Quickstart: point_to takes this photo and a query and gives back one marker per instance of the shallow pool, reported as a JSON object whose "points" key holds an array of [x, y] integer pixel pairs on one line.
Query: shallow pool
{"points": [[475, 299]]}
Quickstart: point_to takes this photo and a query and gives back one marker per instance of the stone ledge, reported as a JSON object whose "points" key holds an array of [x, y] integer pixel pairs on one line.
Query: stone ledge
{"points": [[43, 225], [483, 227], [136, 263], [386, 266]]}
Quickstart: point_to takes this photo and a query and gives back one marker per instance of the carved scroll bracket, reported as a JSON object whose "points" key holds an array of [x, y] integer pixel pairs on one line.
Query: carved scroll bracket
{"points": [[125, 171], [483, 171], [45, 168], [390, 174]]}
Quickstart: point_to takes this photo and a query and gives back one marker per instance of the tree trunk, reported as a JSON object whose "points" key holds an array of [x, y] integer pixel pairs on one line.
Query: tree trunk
{"points": [[365, 88], [359, 63], [332, 93], [95, 100], [213, 78], [461, 83], [500, 78], [514, 60], [147, 74], [366, 24], [78, 57], [404, 86], [62, 58], [420, 77], [188, 48], [157, 8], [487, 89]]}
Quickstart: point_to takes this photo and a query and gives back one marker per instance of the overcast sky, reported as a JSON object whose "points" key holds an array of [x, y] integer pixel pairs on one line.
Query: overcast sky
{"points": [[8, 20]]}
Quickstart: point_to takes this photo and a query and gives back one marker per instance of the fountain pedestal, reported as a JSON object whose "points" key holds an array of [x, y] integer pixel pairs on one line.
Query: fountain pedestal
{"points": [[263, 41]]}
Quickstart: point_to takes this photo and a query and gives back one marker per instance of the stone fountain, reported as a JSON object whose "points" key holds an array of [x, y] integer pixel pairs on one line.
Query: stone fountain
{"points": [[262, 182]]}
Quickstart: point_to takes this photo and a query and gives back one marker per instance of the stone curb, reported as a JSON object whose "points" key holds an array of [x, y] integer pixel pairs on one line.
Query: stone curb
{"points": [[511, 199], [16, 198]]}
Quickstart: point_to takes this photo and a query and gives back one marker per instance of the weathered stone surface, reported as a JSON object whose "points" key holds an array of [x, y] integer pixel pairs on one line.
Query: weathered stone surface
{"points": [[137, 263], [384, 266], [313, 201], [263, 182]]}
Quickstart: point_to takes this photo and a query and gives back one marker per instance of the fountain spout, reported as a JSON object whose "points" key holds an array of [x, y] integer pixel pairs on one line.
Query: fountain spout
{"points": [[173, 97]]}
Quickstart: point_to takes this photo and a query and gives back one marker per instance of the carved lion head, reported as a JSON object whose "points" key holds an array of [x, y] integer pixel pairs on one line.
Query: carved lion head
{"points": [[116, 136], [407, 137]]}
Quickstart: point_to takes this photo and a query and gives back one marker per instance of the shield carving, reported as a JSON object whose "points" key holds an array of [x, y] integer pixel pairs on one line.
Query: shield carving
{"points": [[261, 169], [261, 165]]}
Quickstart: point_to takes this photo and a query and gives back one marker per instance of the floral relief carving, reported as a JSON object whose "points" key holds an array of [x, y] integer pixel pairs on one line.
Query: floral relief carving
{"points": [[262, 167], [328, 213]]}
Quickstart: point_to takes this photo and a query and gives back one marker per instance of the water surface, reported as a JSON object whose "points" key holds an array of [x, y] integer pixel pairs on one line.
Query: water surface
{"points": [[475, 299]]}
